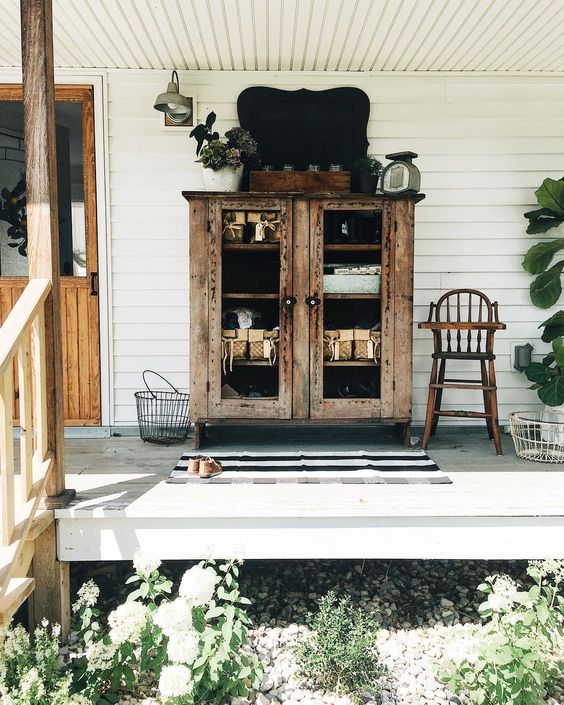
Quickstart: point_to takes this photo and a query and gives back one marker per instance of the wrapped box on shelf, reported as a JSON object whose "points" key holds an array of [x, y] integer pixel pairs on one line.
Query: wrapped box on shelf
{"points": [[367, 344], [263, 345], [351, 283], [264, 227], [234, 346], [338, 344], [234, 226]]}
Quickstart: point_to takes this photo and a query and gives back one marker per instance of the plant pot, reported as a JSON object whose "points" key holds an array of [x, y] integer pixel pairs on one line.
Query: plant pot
{"points": [[226, 179], [365, 183]]}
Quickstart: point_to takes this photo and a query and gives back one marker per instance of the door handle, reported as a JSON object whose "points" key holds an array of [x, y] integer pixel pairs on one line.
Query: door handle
{"points": [[289, 301], [312, 301], [93, 282]]}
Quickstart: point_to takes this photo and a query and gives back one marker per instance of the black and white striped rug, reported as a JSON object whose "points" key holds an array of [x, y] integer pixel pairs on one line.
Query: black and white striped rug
{"points": [[357, 467]]}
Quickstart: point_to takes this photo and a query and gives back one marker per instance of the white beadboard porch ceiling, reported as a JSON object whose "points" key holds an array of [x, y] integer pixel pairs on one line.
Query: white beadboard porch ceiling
{"points": [[301, 35]]}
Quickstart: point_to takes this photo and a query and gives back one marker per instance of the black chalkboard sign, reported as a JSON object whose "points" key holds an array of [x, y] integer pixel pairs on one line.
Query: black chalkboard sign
{"points": [[306, 127]]}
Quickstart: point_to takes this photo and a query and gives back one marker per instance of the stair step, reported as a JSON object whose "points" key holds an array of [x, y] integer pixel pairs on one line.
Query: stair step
{"points": [[19, 589]]}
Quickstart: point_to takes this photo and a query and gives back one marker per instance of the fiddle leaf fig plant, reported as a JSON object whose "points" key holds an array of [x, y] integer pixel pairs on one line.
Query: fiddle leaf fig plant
{"points": [[546, 288], [548, 376]]}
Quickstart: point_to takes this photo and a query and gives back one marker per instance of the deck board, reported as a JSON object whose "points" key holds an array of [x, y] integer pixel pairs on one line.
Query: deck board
{"points": [[495, 506]]}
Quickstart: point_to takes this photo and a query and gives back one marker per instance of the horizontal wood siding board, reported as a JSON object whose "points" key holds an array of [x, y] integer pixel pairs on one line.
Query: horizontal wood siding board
{"points": [[484, 147]]}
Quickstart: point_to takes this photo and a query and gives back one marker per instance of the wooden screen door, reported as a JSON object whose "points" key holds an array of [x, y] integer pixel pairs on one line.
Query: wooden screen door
{"points": [[74, 118]]}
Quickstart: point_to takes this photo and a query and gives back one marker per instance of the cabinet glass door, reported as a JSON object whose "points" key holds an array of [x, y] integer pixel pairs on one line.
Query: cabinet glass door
{"points": [[350, 310], [251, 306]]}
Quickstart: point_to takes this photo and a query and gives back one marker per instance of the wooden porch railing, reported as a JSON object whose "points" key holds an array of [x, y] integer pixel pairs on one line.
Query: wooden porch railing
{"points": [[22, 341]]}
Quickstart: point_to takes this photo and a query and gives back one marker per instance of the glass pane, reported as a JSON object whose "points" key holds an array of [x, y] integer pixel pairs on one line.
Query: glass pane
{"points": [[352, 304], [70, 179], [251, 304]]}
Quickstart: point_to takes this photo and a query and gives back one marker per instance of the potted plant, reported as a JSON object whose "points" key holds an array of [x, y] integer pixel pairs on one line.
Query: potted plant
{"points": [[223, 160], [547, 376], [366, 171]]}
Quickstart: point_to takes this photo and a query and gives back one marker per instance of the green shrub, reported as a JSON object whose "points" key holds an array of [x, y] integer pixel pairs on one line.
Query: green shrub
{"points": [[30, 672], [340, 654], [519, 651]]}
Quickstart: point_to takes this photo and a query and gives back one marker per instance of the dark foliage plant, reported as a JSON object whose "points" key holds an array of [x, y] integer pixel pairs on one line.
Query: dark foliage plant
{"points": [[13, 212]]}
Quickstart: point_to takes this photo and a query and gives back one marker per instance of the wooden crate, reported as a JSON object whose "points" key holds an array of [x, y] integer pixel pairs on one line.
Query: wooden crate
{"points": [[301, 181]]}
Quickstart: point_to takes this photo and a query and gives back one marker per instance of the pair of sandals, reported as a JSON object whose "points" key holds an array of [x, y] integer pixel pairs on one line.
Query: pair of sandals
{"points": [[204, 467]]}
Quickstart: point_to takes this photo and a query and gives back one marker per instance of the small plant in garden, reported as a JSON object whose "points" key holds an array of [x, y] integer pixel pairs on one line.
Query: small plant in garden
{"points": [[30, 672], [340, 654], [518, 654], [193, 645]]}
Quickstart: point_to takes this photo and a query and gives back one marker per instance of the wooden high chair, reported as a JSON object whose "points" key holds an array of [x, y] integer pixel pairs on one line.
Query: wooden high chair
{"points": [[457, 322]]}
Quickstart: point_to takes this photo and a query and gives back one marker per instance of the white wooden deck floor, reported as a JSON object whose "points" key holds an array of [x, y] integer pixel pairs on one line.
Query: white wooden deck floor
{"points": [[495, 507]]}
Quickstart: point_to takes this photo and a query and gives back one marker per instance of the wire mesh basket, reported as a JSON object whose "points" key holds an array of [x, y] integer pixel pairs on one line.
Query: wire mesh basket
{"points": [[163, 416], [536, 438]]}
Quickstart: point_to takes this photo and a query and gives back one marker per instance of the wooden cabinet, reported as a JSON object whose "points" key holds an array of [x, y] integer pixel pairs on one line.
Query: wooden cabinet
{"points": [[328, 268]]}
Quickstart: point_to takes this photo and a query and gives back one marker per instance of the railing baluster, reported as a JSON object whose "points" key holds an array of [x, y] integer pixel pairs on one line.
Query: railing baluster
{"points": [[26, 422], [40, 389], [7, 499]]}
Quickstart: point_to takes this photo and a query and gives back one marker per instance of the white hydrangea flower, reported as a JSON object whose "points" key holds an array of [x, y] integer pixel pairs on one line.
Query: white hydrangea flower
{"points": [[174, 617], [31, 684], [550, 566], [79, 700], [88, 595], [183, 647], [175, 682], [144, 564], [503, 592], [127, 622], [198, 585], [100, 655]]}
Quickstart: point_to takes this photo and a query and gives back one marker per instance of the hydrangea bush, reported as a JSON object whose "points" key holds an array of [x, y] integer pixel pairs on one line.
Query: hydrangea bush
{"points": [[517, 655], [194, 645], [30, 670]]}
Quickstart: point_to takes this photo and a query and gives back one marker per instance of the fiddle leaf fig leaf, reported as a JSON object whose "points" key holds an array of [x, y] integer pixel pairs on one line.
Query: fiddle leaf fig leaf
{"points": [[551, 195], [553, 327], [558, 349], [538, 373], [552, 393], [540, 255], [547, 287], [541, 220], [210, 120]]}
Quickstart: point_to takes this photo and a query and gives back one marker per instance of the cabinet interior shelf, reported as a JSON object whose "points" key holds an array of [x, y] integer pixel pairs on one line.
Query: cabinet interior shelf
{"points": [[353, 296], [251, 246], [254, 363], [250, 296], [353, 247], [350, 363]]}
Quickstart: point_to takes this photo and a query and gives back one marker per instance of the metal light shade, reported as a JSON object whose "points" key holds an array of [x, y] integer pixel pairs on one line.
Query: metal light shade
{"points": [[172, 101]]}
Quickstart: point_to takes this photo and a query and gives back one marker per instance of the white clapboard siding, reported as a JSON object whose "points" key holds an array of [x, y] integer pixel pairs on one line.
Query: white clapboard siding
{"points": [[485, 145]]}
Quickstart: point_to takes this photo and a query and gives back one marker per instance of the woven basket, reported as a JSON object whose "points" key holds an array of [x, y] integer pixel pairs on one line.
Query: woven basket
{"points": [[535, 438], [263, 345], [367, 344], [338, 344], [234, 346]]}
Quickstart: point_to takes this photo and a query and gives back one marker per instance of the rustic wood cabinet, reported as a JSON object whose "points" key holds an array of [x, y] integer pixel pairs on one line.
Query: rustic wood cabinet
{"points": [[312, 273]]}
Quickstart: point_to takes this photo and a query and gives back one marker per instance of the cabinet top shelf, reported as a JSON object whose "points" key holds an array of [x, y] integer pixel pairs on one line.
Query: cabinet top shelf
{"points": [[249, 195]]}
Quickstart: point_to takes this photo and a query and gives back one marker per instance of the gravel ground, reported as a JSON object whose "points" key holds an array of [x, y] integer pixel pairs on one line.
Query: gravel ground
{"points": [[421, 606]]}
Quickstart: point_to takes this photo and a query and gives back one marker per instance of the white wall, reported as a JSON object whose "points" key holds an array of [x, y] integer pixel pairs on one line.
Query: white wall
{"points": [[485, 144]]}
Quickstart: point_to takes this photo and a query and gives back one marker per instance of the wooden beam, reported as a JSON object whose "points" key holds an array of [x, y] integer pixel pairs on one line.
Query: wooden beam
{"points": [[42, 214], [51, 598]]}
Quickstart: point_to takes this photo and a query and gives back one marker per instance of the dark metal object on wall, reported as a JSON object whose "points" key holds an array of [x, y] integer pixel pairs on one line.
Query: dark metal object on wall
{"points": [[306, 127]]}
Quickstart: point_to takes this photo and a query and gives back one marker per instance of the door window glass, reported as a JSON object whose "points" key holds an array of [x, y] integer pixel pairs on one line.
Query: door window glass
{"points": [[70, 182]]}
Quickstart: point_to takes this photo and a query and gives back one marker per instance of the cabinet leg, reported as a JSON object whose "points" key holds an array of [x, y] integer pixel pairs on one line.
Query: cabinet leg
{"points": [[199, 434], [404, 431]]}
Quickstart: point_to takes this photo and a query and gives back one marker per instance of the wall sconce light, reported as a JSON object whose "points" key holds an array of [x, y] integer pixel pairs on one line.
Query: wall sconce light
{"points": [[176, 107], [522, 356]]}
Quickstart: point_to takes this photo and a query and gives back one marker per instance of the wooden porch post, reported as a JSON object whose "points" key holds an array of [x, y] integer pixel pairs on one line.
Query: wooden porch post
{"points": [[42, 216]]}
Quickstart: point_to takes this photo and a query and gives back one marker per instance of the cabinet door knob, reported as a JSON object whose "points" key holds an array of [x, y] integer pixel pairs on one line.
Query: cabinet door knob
{"points": [[312, 301], [289, 301]]}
